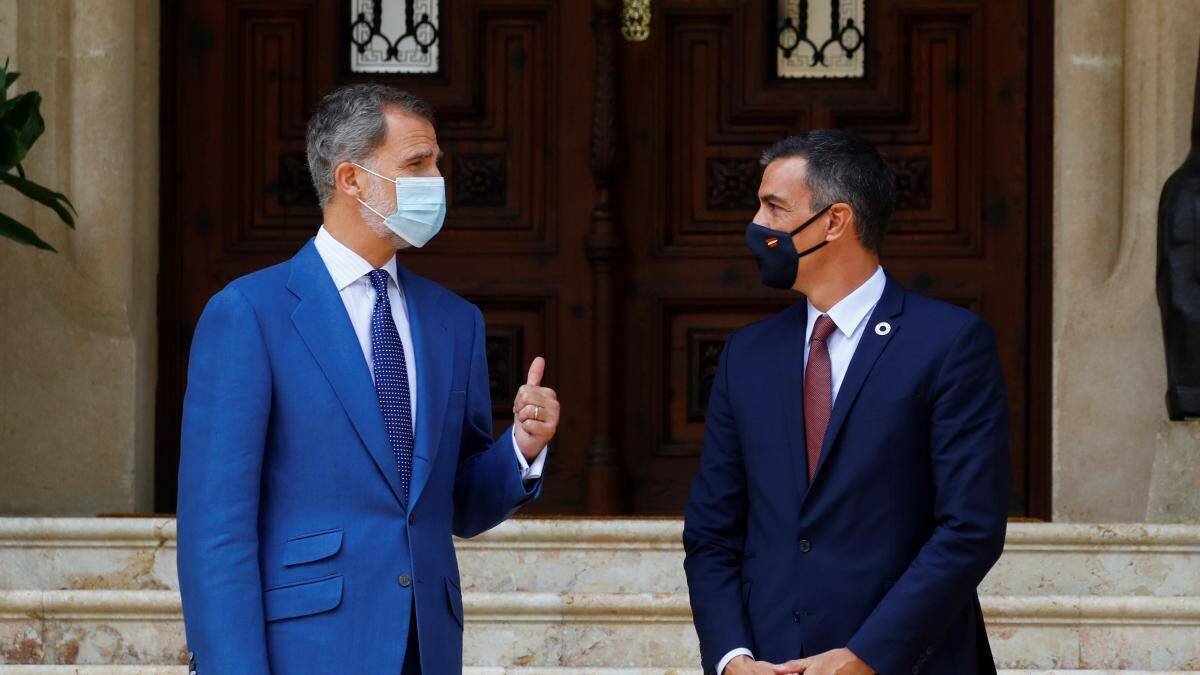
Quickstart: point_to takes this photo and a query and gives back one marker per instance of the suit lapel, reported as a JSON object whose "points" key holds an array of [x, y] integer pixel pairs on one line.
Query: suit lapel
{"points": [[870, 346], [322, 322], [792, 364], [433, 345]]}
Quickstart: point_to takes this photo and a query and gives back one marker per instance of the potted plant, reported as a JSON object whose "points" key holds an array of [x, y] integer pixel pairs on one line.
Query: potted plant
{"points": [[20, 125]]}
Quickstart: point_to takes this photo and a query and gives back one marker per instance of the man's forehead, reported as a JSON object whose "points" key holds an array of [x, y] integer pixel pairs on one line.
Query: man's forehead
{"points": [[409, 129], [784, 177]]}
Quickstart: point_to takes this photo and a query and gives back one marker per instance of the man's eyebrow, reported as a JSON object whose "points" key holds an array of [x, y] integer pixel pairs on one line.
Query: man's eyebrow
{"points": [[772, 197], [417, 156]]}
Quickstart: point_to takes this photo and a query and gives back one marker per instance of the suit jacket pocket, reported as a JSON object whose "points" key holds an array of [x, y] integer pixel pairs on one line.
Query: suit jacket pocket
{"points": [[454, 596], [302, 599], [311, 547]]}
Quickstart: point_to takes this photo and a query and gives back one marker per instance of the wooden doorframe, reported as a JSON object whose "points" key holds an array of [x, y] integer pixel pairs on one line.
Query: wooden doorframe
{"points": [[177, 42], [168, 402], [1040, 109]]}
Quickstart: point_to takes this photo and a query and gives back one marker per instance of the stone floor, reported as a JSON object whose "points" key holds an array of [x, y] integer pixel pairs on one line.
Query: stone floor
{"points": [[581, 596]]}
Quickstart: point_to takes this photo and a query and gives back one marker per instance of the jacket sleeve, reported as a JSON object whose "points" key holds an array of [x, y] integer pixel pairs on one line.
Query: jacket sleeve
{"points": [[488, 487], [970, 469], [714, 530], [225, 414]]}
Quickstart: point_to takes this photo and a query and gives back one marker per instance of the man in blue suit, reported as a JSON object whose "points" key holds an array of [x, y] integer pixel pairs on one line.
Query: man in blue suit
{"points": [[854, 484], [337, 427]]}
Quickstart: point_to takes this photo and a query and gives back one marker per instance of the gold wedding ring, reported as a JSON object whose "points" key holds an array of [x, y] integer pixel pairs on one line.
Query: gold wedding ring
{"points": [[537, 413]]}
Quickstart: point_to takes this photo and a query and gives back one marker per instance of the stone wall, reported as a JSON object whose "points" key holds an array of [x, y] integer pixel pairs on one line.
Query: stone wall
{"points": [[1124, 77], [77, 328]]}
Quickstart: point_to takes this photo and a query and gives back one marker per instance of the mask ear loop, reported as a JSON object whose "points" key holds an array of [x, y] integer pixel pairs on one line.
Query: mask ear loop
{"points": [[360, 199], [372, 209], [806, 223], [390, 180]]}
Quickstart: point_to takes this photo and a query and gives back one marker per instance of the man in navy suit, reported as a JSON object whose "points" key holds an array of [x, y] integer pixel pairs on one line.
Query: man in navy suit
{"points": [[337, 427], [854, 484]]}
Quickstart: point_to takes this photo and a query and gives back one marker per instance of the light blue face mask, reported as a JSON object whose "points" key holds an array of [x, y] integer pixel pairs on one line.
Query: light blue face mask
{"points": [[420, 207]]}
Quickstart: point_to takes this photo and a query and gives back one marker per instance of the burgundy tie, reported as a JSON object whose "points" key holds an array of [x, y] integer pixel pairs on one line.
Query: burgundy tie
{"points": [[818, 391]]}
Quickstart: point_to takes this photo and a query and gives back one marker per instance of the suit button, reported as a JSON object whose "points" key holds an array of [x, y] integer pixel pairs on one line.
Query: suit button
{"points": [[796, 616], [805, 546], [412, 520], [929, 651], [405, 580]]}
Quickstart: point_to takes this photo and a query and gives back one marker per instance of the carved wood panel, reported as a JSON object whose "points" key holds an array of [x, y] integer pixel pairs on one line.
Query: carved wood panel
{"points": [[599, 190], [240, 80], [944, 99]]}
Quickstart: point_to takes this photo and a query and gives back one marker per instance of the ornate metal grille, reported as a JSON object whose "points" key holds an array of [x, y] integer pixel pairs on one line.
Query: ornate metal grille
{"points": [[413, 50], [806, 50]]}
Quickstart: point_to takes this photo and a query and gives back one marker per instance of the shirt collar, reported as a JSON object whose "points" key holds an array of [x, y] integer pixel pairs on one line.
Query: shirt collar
{"points": [[851, 310], [344, 265]]}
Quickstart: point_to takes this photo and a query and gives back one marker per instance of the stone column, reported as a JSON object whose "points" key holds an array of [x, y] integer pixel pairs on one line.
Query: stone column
{"points": [[77, 328], [1124, 75]]}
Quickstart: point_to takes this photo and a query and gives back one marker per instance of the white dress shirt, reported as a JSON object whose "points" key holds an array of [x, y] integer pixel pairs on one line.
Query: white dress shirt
{"points": [[349, 271], [850, 316]]}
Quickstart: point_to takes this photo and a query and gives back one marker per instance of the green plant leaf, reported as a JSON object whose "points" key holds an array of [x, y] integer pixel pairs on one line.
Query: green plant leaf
{"points": [[55, 200], [6, 79], [11, 229], [21, 124]]}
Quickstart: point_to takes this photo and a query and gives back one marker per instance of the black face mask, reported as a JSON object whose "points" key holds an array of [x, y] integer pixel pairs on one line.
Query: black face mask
{"points": [[776, 254]]}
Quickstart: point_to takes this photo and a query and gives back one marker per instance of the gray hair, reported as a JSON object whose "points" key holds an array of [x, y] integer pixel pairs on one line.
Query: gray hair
{"points": [[349, 125], [844, 168]]}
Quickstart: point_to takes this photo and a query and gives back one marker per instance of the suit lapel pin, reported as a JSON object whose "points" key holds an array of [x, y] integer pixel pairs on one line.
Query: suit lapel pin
{"points": [[883, 328]]}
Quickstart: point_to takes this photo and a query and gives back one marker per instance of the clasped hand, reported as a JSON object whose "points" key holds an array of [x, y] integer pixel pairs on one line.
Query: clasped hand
{"points": [[835, 662]]}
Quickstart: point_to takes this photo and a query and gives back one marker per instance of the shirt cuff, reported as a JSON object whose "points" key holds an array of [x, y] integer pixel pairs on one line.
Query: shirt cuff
{"points": [[529, 471], [733, 654]]}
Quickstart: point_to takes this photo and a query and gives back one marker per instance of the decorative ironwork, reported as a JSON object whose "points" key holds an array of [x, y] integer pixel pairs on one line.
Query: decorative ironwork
{"points": [[732, 183], [480, 180], [635, 20], [799, 53], [414, 50], [914, 188]]}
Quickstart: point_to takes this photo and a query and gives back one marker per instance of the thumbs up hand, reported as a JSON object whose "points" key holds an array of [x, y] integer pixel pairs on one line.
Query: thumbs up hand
{"points": [[536, 409]]}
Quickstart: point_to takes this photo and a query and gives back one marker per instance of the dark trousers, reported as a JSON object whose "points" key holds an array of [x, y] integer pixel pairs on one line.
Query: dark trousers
{"points": [[412, 653]]}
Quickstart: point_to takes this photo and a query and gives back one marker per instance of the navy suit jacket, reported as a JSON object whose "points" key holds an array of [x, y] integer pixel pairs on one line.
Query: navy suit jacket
{"points": [[906, 513], [297, 553]]}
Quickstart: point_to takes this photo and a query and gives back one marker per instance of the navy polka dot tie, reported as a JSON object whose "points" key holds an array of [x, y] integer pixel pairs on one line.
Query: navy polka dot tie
{"points": [[391, 379]]}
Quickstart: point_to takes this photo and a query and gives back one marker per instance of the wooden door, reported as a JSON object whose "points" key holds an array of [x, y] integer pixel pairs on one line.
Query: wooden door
{"points": [[598, 191], [512, 94], [945, 97]]}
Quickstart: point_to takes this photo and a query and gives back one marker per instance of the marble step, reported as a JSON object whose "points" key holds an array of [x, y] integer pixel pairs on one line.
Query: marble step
{"points": [[183, 670], [580, 555], [595, 630]]}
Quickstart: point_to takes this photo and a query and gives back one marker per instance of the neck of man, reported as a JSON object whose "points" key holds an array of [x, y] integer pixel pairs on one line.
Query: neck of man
{"points": [[345, 224], [838, 277]]}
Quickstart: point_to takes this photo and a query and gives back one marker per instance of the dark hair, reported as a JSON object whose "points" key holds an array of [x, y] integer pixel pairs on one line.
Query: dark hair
{"points": [[842, 167], [349, 125]]}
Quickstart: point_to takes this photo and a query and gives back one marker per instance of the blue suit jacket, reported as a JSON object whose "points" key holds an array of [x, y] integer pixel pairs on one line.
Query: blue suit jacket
{"points": [[296, 552], [906, 514]]}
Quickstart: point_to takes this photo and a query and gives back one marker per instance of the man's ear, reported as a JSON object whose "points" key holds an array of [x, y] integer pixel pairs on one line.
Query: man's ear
{"points": [[841, 222], [345, 180]]}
